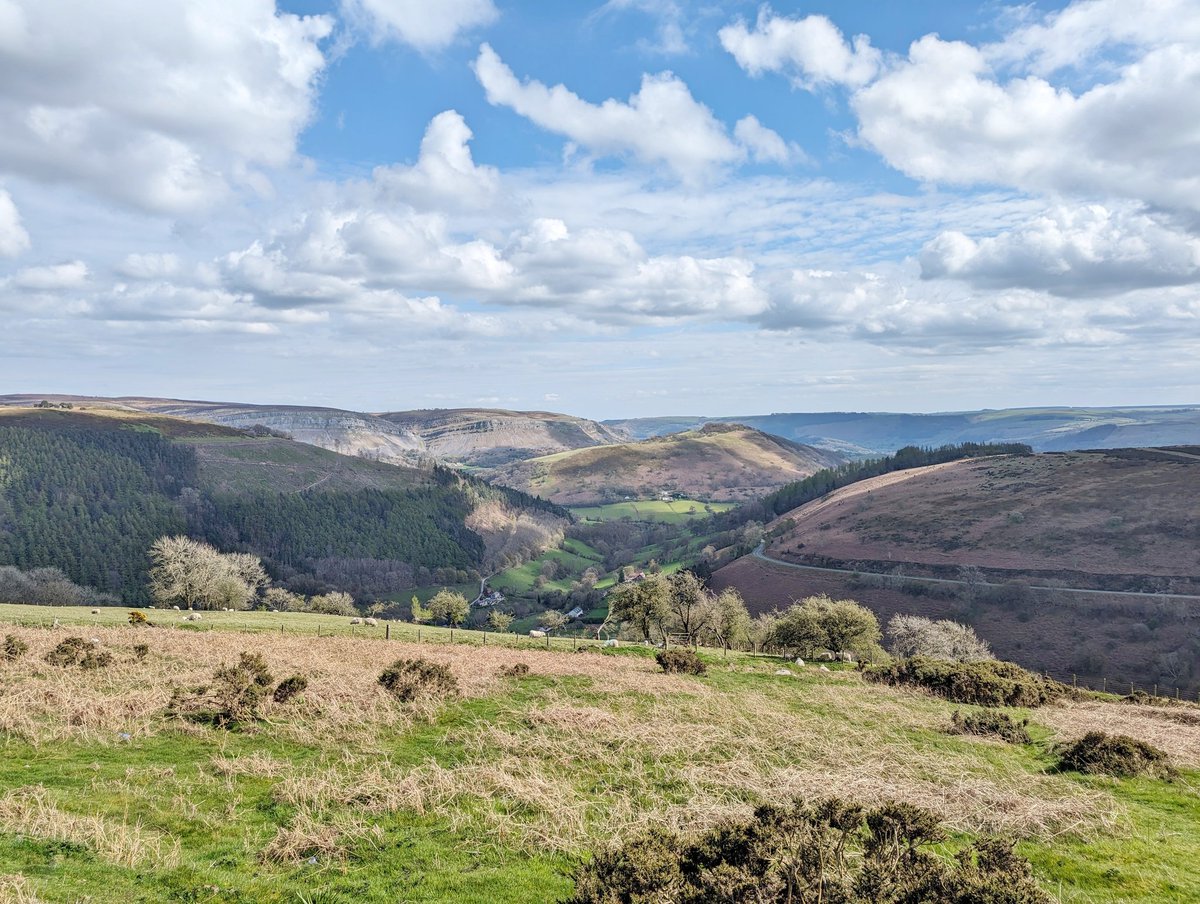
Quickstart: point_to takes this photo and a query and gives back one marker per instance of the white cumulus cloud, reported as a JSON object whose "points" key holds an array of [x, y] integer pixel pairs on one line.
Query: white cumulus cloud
{"points": [[1089, 250], [810, 50], [419, 23], [661, 123], [14, 239], [163, 105], [445, 175]]}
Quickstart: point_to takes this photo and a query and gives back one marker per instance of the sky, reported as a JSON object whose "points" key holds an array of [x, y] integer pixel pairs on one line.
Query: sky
{"points": [[613, 209]]}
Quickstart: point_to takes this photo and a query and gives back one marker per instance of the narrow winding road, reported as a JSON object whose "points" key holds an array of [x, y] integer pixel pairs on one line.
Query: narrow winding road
{"points": [[760, 553]]}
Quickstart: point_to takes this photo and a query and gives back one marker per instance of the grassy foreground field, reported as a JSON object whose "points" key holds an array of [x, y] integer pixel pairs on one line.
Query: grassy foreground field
{"points": [[347, 795]]}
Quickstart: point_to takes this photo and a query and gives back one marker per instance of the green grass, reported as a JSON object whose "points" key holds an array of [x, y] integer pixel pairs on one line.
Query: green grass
{"points": [[283, 623], [677, 511], [574, 559], [619, 739]]}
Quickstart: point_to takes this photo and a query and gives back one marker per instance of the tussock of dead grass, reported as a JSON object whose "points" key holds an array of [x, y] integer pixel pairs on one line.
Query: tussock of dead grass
{"points": [[1165, 727], [257, 764], [343, 699], [566, 775], [17, 890], [29, 811], [309, 834]]}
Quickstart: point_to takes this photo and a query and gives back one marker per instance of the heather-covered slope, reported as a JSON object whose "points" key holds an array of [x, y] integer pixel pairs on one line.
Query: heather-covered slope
{"points": [[720, 462]]}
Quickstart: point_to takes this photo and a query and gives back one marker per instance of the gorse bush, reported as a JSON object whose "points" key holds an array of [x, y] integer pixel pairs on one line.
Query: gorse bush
{"points": [[75, 651], [13, 648], [137, 618], [987, 683], [1098, 753], [832, 852], [412, 679], [233, 697], [289, 688], [994, 724], [680, 661]]}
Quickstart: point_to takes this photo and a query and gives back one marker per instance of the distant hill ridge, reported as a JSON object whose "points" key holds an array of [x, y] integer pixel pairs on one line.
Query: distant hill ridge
{"points": [[880, 433], [477, 437]]}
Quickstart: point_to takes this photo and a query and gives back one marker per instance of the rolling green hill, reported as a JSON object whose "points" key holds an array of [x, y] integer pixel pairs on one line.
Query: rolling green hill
{"points": [[719, 462]]}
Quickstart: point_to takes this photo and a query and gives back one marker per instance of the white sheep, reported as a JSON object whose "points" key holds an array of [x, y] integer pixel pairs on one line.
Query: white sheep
{"points": [[370, 621]]}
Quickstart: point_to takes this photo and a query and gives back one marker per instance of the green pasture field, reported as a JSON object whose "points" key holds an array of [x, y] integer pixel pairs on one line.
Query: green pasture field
{"points": [[677, 511]]}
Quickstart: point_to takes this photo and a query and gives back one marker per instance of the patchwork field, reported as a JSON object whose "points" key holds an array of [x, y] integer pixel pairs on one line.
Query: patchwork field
{"points": [[494, 793], [675, 511]]}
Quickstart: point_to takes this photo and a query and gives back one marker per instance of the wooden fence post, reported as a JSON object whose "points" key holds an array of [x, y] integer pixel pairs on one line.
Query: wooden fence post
{"points": [[387, 631]]}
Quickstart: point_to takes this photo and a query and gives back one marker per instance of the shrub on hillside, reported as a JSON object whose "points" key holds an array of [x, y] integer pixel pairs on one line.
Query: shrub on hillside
{"points": [[912, 635], [828, 852], [994, 724], [680, 661], [75, 651], [233, 697], [137, 619], [47, 587], [988, 683], [1098, 753], [410, 679], [516, 670], [13, 648], [821, 623], [289, 688]]}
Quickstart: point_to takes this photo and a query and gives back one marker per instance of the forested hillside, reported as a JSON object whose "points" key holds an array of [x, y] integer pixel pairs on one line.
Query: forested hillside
{"points": [[89, 502], [89, 493]]}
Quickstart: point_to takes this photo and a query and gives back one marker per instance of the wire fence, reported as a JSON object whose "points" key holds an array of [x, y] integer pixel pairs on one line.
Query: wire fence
{"points": [[410, 633]]}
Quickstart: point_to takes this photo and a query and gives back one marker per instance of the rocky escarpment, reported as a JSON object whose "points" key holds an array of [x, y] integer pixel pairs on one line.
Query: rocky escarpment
{"points": [[468, 436], [489, 438]]}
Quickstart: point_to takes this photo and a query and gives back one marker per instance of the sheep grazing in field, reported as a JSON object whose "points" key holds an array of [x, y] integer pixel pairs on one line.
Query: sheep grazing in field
{"points": [[95, 612], [847, 656], [612, 642], [356, 621], [176, 608], [193, 616], [536, 633], [827, 656], [799, 661], [370, 622]]}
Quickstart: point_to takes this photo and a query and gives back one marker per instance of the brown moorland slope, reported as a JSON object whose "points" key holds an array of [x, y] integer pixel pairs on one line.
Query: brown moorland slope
{"points": [[1121, 520], [719, 462], [1125, 520]]}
